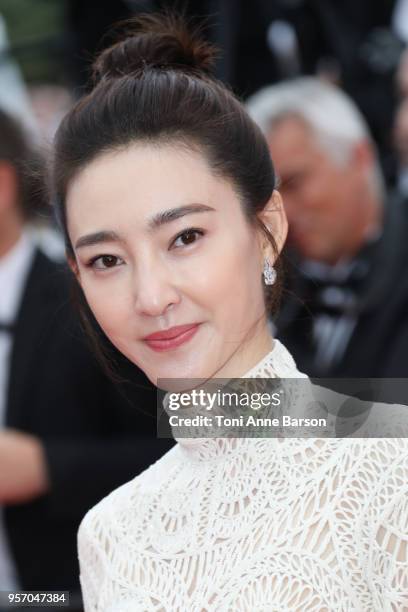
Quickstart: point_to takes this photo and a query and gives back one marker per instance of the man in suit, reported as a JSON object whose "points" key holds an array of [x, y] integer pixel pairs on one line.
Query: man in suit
{"points": [[346, 312], [68, 434]]}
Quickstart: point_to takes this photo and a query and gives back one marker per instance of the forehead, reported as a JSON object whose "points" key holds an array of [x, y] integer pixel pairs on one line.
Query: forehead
{"points": [[295, 147], [291, 133], [134, 183]]}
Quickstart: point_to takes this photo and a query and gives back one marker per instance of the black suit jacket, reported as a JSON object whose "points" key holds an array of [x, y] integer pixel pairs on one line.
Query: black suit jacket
{"points": [[96, 435], [378, 346]]}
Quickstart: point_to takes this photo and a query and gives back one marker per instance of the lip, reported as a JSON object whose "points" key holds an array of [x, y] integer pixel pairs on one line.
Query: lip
{"points": [[171, 338]]}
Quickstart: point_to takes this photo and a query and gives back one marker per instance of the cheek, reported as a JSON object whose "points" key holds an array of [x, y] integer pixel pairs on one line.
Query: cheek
{"points": [[335, 189], [230, 283], [317, 191]]}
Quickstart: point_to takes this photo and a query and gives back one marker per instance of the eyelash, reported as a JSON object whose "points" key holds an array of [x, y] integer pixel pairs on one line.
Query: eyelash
{"points": [[191, 230]]}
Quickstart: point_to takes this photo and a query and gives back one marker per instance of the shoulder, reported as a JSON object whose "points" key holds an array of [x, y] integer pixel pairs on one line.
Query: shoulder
{"points": [[115, 530], [48, 271], [48, 289], [128, 503]]}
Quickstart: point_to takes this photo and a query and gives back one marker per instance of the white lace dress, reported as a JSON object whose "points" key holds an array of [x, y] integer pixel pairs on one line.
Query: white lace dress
{"points": [[255, 525]]}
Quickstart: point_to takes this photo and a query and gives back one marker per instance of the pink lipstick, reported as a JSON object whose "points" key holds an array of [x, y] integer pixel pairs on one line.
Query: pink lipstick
{"points": [[171, 338]]}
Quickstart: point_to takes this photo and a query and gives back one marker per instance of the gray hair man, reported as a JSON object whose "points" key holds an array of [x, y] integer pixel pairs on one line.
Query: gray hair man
{"points": [[324, 155], [347, 234]]}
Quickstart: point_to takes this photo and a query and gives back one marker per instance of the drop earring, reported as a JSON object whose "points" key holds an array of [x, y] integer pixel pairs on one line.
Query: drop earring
{"points": [[269, 272]]}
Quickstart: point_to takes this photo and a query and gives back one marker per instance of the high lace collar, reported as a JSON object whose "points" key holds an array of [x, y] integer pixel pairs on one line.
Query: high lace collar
{"points": [[277, 363]]}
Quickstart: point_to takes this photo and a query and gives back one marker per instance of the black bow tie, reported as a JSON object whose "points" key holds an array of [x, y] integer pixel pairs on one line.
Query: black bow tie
{"points": [[336, 296], [7, 328]]}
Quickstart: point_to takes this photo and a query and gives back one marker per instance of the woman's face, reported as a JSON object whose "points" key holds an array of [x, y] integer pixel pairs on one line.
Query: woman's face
{"points": [[168, 264]]}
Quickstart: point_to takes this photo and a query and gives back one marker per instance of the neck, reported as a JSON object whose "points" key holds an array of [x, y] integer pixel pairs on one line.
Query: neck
{"points": [[209, 444], [249, 353]]}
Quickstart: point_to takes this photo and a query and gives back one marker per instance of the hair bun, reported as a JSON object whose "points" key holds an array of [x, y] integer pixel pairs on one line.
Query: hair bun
{"points": [[156, 40]]}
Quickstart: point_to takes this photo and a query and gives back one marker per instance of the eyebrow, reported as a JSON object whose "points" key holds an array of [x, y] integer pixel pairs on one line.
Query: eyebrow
{"points": [[172, 214], [97, 238], [158, 220]]}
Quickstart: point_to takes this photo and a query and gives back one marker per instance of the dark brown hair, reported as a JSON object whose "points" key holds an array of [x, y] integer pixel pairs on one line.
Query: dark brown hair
{"points": [[155, 86]]}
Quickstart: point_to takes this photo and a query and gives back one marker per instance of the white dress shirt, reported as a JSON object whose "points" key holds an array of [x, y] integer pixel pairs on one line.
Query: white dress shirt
{"points": [[14, 267]]}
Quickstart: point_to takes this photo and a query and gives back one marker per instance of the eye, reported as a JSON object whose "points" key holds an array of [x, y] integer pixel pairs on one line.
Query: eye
{"points": [[103, 262], [187, 237]]}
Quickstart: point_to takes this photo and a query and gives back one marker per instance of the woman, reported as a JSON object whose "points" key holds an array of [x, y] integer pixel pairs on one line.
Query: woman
{"points": [[165, 191]]}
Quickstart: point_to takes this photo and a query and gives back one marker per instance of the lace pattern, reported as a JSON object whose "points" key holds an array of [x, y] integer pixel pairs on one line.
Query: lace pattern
{"points": [[261, 525]]}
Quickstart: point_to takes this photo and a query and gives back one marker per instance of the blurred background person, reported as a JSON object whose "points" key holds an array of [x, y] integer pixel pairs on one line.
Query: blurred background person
{"points": [[400, 134], [346, 313], [67, 433], [400, 128]]}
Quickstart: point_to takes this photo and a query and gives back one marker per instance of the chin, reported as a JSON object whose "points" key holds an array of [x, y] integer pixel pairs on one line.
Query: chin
{"points": [[177, 377], [185, 378], [174, 367]]}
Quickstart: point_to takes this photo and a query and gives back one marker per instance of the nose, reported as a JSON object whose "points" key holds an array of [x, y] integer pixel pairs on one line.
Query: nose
{"points": [[155, 290]]}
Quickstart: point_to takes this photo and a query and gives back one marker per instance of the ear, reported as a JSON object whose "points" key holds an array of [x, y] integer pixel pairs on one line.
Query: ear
{"points": [[273, 216], [363, 155]]}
